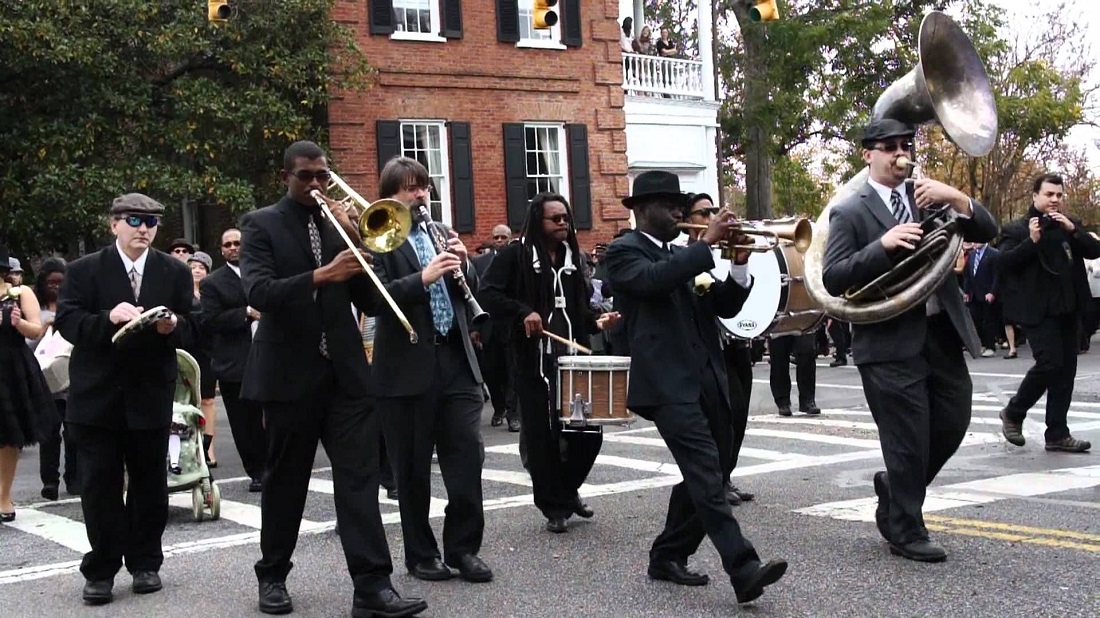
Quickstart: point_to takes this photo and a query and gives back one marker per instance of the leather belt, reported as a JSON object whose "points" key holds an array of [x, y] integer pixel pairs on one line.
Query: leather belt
{"points": [[451, 336]]}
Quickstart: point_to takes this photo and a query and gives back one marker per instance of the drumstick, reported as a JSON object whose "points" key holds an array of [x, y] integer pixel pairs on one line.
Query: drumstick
{"points": [[567, 342]]}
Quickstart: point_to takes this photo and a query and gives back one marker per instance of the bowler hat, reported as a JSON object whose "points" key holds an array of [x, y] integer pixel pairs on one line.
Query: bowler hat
{"points": [[182, 242], [14, 265], [136, 204], [886, 128], [655, 183]]}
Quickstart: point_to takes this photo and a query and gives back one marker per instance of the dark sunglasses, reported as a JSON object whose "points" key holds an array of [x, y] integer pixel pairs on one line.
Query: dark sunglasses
{"points": [[500, 237], [558, 219], [150, 221], [705, 211], [231, 243], [307, 176], [894, 146]]}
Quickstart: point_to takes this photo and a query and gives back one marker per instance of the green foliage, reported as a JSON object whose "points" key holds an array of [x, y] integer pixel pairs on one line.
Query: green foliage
{"points": [[798, 191], [104, 97]]}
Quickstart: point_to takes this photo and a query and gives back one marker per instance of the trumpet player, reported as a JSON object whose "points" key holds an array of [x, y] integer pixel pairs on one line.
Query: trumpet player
{"points": [[307, 367], [914, 375], [430, 392]]}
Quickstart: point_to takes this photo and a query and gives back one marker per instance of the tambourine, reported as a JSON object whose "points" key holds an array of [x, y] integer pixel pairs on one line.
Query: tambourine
{"points": [[140, 323]]}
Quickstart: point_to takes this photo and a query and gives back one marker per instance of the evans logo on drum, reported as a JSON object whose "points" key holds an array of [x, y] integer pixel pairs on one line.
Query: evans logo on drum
{"points": [[746, 324]]}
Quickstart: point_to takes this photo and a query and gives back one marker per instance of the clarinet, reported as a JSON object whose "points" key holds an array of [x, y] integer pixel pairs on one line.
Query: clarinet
{"points": [[477, 314]]}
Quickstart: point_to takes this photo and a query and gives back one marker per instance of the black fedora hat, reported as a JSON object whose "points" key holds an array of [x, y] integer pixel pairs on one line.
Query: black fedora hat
{"points": [[655, 183]]}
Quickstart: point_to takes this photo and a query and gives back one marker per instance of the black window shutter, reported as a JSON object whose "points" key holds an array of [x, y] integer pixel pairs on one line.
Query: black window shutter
{"points": [[508, 21], [571, 23], [580, 182], [381, 16], [515, 173], [452, 19], [389, 141], [462, 166]]}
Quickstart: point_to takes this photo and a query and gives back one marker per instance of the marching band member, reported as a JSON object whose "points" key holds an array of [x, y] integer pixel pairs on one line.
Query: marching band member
{"points": [[430, 393], [520, 289], [914, 375], [120, 397], [307, 367], [678, 378]]}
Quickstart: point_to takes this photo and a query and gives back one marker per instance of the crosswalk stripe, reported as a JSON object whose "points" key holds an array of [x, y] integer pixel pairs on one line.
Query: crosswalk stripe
{"points": [[812, 437], [60, 530], [506, 476], [237, 512]]}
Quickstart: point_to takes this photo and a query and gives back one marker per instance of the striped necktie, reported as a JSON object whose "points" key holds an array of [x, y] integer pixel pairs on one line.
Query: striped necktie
{"points": [[898, 209]]}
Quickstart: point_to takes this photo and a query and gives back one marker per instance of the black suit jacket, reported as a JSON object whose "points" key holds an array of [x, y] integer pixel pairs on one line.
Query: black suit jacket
{"points": [[1021, 270], [403, 369], [285, 362], [654, 294], [854, 257], [131, 386], [225, 323], [987, 278]]}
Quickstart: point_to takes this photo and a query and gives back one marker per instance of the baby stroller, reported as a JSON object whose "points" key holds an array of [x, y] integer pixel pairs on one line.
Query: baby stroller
{"points": [[187, 468]]}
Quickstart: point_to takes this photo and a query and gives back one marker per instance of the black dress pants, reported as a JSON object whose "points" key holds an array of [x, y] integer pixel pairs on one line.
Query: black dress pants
{"points": [[698, 506], [841, 334], [1054, 344], [738, 358], [448, 419], [49, 453], [122, 529], [805, 363], [922, 408], [246, 422], [986, 321], [499, 370], [348, 427]]}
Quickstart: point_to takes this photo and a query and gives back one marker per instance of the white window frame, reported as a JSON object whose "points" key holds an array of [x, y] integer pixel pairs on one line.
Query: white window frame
{"points": [[526, 16], [563, 155], [431, 37], [442, 176]]}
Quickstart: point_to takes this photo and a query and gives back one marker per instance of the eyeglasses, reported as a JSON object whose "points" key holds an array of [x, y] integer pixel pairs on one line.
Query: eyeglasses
{"points": [[705, 211], [308, 176], [415, 188], [558, 219], [231, 243], [150, 221], [894, 146], [181, 251], [500, 237]]}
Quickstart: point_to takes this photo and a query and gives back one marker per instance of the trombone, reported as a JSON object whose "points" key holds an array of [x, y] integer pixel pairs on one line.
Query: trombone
{"points": [[798, 231], [383, 226]]}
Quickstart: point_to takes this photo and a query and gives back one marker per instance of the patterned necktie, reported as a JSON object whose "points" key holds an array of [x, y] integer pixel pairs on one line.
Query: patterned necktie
{"points": [[442, 312], [897, 207], [315, 245], [135, 281]]}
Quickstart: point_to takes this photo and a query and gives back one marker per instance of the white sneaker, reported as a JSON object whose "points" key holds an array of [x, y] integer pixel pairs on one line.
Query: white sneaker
{"points": [[986, 352]]}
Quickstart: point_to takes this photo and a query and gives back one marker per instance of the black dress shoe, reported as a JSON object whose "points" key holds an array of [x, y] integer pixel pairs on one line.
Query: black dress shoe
{"points": [[391, 494], [255, 486], [744, 495], [472, 568], [581, 509], [146, 582], [784, 410], [672, 571], [496, 421], [386, 603], [753, 586], [513, 425], [557, 525], [98, 593], [50, 492], [809, 407], [840, 362], [882, 511], [921, 550], [732, 496], [7, 517], [274, 599], [432, 570]]}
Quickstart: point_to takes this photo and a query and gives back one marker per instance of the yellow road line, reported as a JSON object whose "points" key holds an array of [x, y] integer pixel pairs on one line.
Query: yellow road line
{"points": [[1000, 536], [1026, 531]]}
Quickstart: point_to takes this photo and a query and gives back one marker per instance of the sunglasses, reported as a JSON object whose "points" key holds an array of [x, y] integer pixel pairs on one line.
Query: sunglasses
{"points": [[231, 243], [150, 221], [500, 237], [308, 176], [558, 219], [705, 211], [894, 146]]}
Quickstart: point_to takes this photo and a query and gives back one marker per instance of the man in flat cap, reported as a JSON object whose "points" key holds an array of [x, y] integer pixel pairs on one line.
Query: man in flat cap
{"points": [[678, 377], [914, 375], [120, 396], [181, 249]]}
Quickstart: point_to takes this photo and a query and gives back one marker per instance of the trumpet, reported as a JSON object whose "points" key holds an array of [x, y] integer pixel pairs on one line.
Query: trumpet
{"points": [[798, 231], [383, 226]]}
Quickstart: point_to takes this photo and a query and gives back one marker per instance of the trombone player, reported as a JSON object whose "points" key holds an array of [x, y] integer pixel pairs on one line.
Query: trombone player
{"points": [[307, 368], [914, 375]]}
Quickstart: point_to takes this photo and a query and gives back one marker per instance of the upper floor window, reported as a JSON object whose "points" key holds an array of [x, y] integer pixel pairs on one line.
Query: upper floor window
{"points": [[426, 141], [547, 166], [529, 36], [416, 19]]}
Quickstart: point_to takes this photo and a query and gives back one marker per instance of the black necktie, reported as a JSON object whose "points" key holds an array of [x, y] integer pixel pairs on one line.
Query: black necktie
{"points": [[315, 246]]}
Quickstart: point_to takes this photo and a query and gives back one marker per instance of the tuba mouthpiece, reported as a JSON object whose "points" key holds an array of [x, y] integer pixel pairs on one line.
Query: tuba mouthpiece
{"points": [[904, 162]]}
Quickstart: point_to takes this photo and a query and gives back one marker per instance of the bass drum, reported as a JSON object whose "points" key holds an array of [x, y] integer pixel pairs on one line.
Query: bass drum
{"points": [[778, 303]]}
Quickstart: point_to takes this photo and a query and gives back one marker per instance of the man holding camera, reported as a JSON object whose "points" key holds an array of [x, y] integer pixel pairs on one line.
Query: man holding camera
{"points": [[1043, 265]]}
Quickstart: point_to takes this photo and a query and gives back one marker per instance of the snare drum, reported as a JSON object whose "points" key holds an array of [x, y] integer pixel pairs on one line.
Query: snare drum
{"points": [[778, 303], [592, 390]]}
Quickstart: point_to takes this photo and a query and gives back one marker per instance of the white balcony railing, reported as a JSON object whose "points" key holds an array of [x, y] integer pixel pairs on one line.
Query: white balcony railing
{"points": [[656, 75]]}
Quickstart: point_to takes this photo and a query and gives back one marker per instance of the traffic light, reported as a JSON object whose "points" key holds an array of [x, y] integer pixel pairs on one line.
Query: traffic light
{"points": [[218, 11], [544, 17], [764, 11]]}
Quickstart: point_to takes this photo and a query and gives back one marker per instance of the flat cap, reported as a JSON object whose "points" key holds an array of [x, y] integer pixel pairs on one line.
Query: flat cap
{"points": [[886, 128], [202, 258], [136, 204]]}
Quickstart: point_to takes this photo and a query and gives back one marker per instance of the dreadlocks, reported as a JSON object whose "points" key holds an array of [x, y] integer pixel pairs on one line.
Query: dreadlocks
{"points": [[539, 286]]}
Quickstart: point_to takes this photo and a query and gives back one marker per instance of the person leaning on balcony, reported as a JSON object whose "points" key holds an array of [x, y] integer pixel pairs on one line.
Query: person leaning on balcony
{"points": [[643, 44], [666, 48]]}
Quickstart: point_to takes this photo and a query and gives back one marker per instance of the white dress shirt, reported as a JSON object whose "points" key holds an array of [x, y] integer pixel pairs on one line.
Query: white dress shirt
{"points": [[738, 272]]}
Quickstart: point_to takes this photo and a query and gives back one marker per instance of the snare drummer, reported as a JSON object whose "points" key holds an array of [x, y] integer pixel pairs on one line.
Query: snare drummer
{"points": [[520, 287]]}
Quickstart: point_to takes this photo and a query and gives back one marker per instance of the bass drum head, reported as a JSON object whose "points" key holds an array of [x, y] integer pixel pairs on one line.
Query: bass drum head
{"points": [[760, 308]]}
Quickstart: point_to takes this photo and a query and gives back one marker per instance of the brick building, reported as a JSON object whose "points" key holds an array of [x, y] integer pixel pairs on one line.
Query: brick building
{"points": [[497, 111]]}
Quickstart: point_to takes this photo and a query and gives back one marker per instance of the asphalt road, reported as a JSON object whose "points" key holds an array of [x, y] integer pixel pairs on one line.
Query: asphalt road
{"points": [[1021, 526]]}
